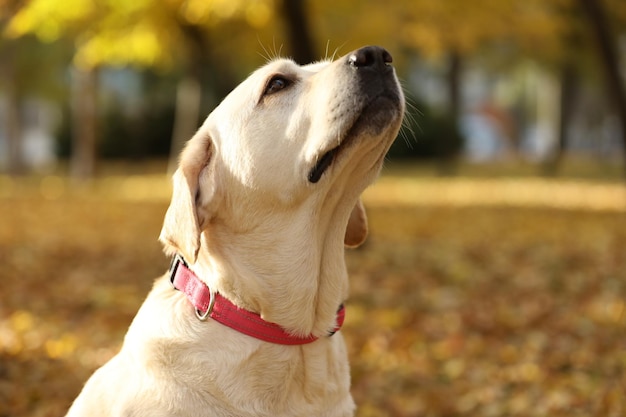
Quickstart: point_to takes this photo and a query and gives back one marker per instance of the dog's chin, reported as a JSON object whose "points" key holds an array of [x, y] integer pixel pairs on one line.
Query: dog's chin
{"points": [[377, 118]]}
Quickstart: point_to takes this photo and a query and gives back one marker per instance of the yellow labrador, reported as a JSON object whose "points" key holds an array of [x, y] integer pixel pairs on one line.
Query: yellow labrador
{"points": [[265, 198]]}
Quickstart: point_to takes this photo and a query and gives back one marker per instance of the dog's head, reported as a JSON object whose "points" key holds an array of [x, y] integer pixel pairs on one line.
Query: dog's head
{"points": [[290, 142]]}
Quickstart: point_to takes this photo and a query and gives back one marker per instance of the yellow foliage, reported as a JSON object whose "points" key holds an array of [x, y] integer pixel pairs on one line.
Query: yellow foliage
{"points": [[120, 32], [259, 13], [62, 347], [203, 11], [48, 20], [141, 44], [152, 32], [22, 321], [436, 27]]}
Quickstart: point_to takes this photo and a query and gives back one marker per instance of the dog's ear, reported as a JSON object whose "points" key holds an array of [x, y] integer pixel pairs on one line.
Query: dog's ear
{"points": [[183, 220], [356, 232]]}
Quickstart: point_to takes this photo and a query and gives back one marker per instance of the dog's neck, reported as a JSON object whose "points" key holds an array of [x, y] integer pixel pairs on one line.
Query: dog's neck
{"points": [[297, 282]]}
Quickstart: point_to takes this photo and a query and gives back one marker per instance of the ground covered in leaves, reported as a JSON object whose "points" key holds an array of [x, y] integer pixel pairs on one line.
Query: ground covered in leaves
{"points": [[456, 309]]}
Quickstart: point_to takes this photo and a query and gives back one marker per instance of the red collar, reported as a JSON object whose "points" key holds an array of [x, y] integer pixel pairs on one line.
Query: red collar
{"points": [[210, 304]]}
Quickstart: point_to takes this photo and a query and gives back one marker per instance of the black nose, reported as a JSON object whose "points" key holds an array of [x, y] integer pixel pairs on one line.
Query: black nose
{"points": [[370, 56]]}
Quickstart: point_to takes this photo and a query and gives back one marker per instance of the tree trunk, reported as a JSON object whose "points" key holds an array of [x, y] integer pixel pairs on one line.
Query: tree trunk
{"points": [[569, 89], [450, 147], [188, 99], [455, 69], [298, 31], [84, 123], [13, 129], [610, 60], [189, 91]]}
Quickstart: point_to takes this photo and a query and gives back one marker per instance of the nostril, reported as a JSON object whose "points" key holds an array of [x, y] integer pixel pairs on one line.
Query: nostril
{"points": [[361, 58], [387, 58], [369, 56]]}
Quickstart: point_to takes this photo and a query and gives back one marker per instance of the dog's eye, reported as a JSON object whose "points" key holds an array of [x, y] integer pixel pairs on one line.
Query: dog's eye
{"points": [[275, 84]]}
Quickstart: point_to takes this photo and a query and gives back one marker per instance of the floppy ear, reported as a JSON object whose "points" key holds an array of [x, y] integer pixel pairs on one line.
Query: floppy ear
{"points": [[182, 225], [356, 232]]}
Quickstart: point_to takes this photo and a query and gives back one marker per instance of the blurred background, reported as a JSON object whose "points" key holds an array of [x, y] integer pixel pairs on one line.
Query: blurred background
{"points": [[93, 80], [494, 279]]}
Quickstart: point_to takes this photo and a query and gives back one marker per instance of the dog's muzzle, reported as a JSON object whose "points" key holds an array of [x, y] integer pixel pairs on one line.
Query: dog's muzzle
{"points": [[370, 68]]}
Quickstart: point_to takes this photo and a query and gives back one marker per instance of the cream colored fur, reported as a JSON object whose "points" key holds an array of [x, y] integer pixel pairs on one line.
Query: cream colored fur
{"points": [[251, 225]]}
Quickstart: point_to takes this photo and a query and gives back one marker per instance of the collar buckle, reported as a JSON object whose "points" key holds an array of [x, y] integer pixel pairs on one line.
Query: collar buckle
{"points": [[177, 260]]}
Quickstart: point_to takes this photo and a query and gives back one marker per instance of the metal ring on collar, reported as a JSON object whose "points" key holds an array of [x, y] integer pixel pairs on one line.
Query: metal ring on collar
{"points": [[203, 316]]}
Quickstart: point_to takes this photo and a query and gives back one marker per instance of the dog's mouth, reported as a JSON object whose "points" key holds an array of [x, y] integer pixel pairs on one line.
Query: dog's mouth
{"points": [[322, 165], [374, 117], [327, 159]]}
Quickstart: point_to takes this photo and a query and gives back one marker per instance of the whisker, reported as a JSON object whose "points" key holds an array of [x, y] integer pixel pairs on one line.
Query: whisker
{"points": [[276, 51], [410, 121], [270, 54], [337, 51], [263, 54]]}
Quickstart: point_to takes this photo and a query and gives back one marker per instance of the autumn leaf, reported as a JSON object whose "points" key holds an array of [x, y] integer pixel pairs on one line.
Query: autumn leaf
{"points": [[471, 297]]}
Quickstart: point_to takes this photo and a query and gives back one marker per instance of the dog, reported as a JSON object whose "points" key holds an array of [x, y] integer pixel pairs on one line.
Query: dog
{"points": [[265, 198]]}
